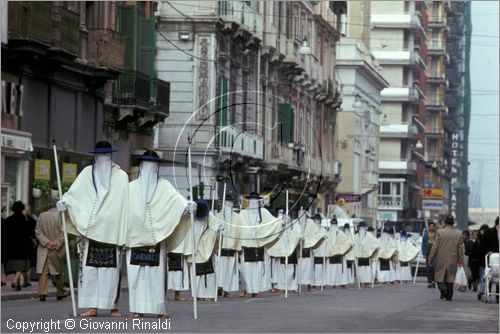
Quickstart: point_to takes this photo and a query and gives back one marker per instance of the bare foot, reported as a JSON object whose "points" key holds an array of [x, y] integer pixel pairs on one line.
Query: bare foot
{"points": [[163, 316], [311, 289], [136, 315], [226, 294], [273, 290], [256, 295], [243, 294], [296, 291], [115, 313], [89, 313], [182, 299]]}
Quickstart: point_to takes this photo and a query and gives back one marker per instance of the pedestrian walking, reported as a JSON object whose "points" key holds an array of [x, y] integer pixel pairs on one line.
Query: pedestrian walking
{"points": [[474, 260], [50, 252], [490, 246], [448, 251], [467, 250], [18, 244], [427, 242], [480, 253], [30, 275]]}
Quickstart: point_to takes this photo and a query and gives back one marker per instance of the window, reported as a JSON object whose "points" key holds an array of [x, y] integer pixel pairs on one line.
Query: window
{"points": [[285, 123]]}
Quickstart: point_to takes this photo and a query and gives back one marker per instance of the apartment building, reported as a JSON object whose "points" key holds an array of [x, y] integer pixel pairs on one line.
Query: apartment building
{"points": [[254, 91], [358, 130], [399, 43]]}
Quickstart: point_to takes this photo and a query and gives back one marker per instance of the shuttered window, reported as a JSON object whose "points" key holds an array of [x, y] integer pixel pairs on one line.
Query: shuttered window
{"points": [[128, 26], [147, 46], [222, 114], [285, 123]]}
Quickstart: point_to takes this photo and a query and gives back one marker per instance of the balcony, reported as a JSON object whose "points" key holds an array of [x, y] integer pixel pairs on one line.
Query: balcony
{"points": [[402, 94], [435, 131], [402, 21], [394, 57], [235, 141], [390, 202], [397, 167], [242, 15], [31, 21], [105, 49], [332, 169], [133, 89], [46, 24], [398, 131], [435, 104], [437, 21], [436, 47], [161, 98], [434, 77]]}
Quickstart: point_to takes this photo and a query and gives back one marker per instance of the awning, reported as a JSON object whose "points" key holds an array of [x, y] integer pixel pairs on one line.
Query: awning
{"points": [[18, 141]]}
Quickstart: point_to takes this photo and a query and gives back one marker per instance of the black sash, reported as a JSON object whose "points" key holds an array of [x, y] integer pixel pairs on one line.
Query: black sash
{"points": [[101, 255], [204, 268], [349, 264], [174, 262], [306, 252], [403, 264], [363, 261], [252, 254], [145, 256], [318, 260], [336, 259], [292, 259], [384, 265], [226, 252]]}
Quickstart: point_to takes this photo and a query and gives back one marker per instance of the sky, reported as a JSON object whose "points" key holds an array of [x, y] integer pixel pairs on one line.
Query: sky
{"points": [[484, 127]]}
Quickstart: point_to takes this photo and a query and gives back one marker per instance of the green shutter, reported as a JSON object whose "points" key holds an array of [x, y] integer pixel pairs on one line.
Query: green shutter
{"points": [[128, 24], [147, 46], [285, 123]]}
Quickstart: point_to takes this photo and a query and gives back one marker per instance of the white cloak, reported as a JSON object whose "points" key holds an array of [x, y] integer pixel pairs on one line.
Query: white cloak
{"points": [[103, 221], [164, 217]]}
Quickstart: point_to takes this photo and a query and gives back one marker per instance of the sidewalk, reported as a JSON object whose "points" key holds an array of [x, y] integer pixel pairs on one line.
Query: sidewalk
{"points": [[6, 292]]}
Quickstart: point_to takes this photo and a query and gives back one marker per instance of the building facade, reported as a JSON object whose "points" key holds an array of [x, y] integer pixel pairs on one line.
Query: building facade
{"points": [[359, 122], [256, 106], [399, 42]]}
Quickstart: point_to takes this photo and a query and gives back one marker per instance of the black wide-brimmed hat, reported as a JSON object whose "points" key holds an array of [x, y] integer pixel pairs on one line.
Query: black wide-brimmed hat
{"points": [[370, 229], [362, 224], [149, 155], [387, 230], [103, 147], [334, 221], [254, 195], [346, 226], [317, 216]]}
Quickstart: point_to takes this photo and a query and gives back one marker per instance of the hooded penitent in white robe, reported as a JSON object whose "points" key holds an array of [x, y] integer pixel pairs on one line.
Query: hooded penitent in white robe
{"points": [[407, 252], [287, 245], [337, 273], [385, 267], [365, 245], [230, 235], [258, 231], [321, 254], [156, 212], [312, 235], [349, 257], [97, 210]]}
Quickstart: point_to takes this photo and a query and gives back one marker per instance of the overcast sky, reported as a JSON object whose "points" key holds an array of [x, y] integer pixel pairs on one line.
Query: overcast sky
{"points": [[484, 127]]}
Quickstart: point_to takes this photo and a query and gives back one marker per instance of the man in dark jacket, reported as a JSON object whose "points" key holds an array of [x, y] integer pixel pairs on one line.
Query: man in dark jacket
{"points": [[479, 253], [474, 260], [427, 242]]}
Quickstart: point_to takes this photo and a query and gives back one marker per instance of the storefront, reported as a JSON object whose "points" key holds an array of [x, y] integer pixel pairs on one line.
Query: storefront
{"points": [[16, 155]]}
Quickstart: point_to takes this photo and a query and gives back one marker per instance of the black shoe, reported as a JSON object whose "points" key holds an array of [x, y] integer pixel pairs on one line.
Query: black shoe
{"points": [[42, 298], [479, 296], [433, 285], [429, 285], [25, 285], [62, 297]]}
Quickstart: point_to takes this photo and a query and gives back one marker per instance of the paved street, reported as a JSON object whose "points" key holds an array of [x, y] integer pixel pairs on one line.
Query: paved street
{"points": [[385, 308]]}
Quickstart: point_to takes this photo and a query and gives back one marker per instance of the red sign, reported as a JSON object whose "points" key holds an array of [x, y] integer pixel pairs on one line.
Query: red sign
{"points": [[350, 198]]}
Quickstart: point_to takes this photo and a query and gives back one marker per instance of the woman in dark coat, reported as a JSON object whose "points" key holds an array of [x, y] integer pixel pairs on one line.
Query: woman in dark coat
{"points": [[18, 244]]}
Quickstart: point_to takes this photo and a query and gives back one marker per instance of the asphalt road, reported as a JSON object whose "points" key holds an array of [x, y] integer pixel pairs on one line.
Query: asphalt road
{"points": [[385, 308]]}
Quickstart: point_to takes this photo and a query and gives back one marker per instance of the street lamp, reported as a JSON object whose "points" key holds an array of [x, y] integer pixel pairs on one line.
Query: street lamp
{"points": [[305, 49], [419, 145]]}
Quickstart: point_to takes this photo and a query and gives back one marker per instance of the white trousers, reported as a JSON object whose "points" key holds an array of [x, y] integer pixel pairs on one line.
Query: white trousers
{"points": [[146, 286], [98, 287]]}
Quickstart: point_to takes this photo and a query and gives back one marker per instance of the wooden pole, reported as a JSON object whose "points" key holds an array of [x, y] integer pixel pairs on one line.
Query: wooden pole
{"points": [[191, 214], [66, 244], [219, 234], [287, 245]]}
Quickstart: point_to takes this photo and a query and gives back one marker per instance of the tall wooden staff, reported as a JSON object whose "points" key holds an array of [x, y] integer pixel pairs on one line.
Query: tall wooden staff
{"points": [[287, 245], [301, 242], [66, 244], [418, 257], [219, 234], [191, 214]]}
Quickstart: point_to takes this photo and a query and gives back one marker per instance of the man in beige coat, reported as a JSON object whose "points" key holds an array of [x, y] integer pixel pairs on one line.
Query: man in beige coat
{"points": [[50, 255], [448, 251]]}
